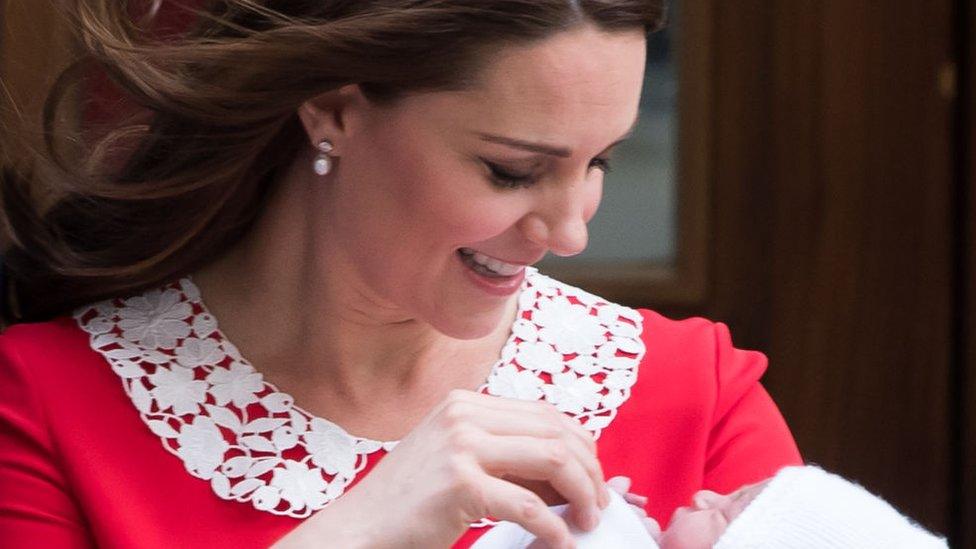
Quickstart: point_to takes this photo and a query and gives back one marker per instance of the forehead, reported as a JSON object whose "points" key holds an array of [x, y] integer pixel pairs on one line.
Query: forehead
{"points": [[582, 66], [577, 86]]}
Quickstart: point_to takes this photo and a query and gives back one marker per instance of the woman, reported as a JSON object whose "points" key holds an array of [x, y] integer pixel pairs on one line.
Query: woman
{"points": [[356, 190]]}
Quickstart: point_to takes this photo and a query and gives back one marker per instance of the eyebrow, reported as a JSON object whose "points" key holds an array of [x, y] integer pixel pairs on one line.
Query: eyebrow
{"points": [[552, 150]]}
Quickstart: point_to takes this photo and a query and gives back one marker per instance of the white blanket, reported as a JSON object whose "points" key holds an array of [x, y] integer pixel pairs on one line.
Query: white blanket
{"points": [[619, 528]]}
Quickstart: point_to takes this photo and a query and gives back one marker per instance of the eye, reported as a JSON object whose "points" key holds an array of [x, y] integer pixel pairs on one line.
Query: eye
{"points": [[506, 179], [602, 163]]}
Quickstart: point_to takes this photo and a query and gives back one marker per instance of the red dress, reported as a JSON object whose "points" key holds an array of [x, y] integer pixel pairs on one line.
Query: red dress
{"points": [[80, 468]]}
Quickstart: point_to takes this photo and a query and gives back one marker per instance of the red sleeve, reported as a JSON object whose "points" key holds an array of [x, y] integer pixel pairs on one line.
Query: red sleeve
{"points": [[749, 440], [36, 509]]}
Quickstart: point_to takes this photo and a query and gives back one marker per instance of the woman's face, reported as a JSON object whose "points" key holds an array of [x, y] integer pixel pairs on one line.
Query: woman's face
{"points": [[510, 169]]}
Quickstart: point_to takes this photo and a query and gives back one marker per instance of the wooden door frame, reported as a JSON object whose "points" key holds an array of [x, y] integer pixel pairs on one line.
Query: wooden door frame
{"points": [[966, 518]]}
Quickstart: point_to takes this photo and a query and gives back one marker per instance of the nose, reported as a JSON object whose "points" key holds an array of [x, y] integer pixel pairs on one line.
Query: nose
{"points": [[564, 238], [559, 222]]}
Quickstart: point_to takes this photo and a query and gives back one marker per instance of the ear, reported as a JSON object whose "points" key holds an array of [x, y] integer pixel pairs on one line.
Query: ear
{"points": [[332, 115]]}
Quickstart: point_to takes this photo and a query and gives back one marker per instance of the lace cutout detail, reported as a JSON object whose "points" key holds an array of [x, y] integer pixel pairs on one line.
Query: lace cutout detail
{"points": [[229, 426]]}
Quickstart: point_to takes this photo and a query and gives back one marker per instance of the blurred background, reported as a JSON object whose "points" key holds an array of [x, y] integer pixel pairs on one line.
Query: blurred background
{"points": [[803, 171]]}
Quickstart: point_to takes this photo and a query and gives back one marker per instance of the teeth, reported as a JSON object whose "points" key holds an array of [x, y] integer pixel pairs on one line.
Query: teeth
{"points": [[492, 264]]}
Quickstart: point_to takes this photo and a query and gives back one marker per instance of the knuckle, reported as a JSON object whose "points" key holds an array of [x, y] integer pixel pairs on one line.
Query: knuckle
{"points": [[555, 418], [568, 434], [576, 429], [573, 424], [461, 439], [455, 413], [552, 431], [550, 410], [472, 498], [460, 474], [588, 441], [529, 509], [556, 455]]}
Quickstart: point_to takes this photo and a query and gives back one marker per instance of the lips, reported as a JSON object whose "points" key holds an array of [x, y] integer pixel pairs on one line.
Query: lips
{"points": [[489, 280], [523, 261], [489, 265]]}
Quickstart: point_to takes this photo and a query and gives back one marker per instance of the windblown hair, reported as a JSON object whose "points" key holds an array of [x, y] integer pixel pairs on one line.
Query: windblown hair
{"points": [[163, 192]]}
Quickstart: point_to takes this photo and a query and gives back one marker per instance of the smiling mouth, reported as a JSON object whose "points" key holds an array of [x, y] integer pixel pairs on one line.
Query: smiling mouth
{"points": [[489, 266]]}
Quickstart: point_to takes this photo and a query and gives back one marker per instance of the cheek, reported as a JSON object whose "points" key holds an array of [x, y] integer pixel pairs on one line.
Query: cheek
{"points": [[402, 193], [469, 222], [444, 197], [462, 211]]}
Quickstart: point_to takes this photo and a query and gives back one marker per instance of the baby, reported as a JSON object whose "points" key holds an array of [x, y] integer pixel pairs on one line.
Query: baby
{"points": [[798, 508]]}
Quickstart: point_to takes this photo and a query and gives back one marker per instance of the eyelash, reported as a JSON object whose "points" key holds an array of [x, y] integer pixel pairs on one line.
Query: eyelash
{"points": [[508, 180]]}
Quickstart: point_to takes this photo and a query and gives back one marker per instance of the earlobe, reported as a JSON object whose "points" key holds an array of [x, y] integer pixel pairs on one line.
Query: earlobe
{"points": [[323, 162]]}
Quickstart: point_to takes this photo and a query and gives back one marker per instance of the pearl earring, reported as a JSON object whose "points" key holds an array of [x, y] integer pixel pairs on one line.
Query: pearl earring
{"points": [[323, 162]]}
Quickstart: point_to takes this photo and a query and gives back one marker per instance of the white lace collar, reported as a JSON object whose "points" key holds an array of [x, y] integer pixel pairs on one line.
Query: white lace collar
{"points": [[214, 411]]}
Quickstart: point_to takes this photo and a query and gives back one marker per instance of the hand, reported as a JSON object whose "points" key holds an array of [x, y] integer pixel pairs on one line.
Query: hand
{"points": [[621, 485], [636, 502], [472, 456]]}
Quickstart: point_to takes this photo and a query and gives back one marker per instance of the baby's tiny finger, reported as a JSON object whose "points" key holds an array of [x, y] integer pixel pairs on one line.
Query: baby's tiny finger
{"points": [[639, 511], [635, 499], [619, 484]]}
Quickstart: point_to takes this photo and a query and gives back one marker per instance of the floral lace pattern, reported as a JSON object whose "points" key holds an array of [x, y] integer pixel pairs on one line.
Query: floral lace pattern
{"points": [[230, 427]]}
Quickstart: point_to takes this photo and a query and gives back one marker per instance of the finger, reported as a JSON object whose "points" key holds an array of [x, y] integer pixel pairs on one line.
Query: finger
{"points": [[588, 442], [507, 417], [635, 499], [548, 460], [530, 407], [508, 420], [506, 501], [619, 484], [592, 466], [502, 422]]}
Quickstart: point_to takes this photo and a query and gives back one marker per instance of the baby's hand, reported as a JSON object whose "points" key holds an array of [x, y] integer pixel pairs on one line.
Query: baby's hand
{"points": [[621, 485]]}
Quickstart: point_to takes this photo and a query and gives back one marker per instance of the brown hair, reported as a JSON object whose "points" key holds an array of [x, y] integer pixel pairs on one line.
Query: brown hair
{"points": [[158, 195]]}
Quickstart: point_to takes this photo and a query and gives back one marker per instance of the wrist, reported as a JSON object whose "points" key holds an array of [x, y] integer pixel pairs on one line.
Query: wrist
{"points": [[332, 526]]}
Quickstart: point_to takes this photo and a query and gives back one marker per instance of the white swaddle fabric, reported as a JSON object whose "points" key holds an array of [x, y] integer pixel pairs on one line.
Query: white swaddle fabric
{"points": [[619, 528], [809, 508]]}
